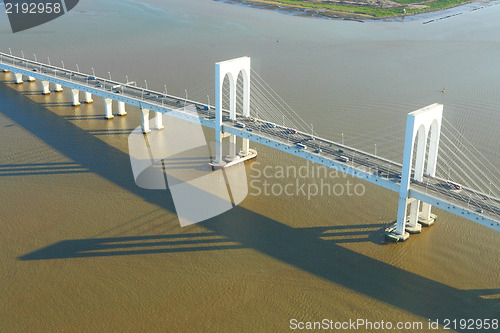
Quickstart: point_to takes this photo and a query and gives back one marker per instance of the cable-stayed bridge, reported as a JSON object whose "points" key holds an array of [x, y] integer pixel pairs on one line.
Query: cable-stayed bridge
{"points": [[439, 166]]}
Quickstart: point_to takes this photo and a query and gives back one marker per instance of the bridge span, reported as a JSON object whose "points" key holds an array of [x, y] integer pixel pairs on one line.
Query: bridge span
{"points": [[418, 189]]}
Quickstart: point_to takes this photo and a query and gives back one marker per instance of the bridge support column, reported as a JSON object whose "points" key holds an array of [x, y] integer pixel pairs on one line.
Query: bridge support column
{"points": [[412, 226], [121, 109], [418, 126], [45, 87], [31, 79], [232, 149], [108, 108], [245, 147], [75, 94], [5, 71], [58, 88], [145, 120], [87, 97], [19, 78], [159, 121]]}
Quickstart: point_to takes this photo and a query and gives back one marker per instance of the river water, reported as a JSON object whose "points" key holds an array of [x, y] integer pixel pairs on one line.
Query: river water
{"points": [[84, 249]]}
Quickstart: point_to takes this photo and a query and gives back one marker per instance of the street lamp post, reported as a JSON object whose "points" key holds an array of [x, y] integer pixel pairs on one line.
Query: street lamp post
{"points": [[62, 62], [165, 89], [93, 72], [342, 139], [48, 59], [77, 68], [185, 101], [36, 60], [146, 82], [109, 76], [375, 149]]}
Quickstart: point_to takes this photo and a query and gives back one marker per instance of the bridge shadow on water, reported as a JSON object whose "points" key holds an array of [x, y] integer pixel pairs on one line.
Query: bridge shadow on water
{"points": [[314, 250]]}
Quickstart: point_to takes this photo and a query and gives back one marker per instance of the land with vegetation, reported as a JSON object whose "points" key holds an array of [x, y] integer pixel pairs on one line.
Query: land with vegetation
{"points": [[360, 8]]}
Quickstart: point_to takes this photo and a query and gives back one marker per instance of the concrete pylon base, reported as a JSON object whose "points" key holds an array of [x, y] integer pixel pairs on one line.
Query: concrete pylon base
{"points": [[58, 88], [414, 229], [31, 79], [231, 158], [146, 131], [427, 222], [109, 117], [390, 234]]}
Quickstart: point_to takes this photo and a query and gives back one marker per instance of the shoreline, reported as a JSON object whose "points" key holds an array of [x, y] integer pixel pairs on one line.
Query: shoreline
{"points": [[324, 13]]}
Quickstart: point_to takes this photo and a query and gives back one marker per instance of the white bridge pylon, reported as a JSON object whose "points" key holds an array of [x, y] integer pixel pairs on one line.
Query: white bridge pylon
{"points": [[422, 126], [232, 69]]}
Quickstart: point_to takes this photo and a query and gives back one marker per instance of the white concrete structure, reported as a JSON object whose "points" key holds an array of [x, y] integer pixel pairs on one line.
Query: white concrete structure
{"points": [[87, 97], [19, 78], [58, 88], [75, 94], [45, 87], [420, 125], [108, 106], [159, 121], [232, 69], [121, 109], [31, 79], [145, 120]]}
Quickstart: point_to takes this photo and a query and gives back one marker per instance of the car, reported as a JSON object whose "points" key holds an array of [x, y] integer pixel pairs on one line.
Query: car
{"points": [[240, 125], [92, 78], [341, 151], [344, 159], [35, 70], [271, 125], [206, 107], [292, 131], [318, 150], [252, 119], [301, 146], [249, 129], [480, 211], [454, 186]]}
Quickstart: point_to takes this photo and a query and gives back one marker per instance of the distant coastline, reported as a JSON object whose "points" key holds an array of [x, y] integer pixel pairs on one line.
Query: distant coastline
{"points": [[356, 10]]}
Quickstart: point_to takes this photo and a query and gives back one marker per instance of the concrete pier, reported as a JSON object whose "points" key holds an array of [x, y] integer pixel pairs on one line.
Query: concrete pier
{"points": [[121, 109], [19, 78], [31, 79], [108, 105], [45, 87], [75, 93], [145, 120], [245, 147], [87, 98], [159, 121], [58, 88]]}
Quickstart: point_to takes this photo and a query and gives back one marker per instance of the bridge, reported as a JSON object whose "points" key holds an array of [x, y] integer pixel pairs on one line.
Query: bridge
{"points": [[415, 179]]}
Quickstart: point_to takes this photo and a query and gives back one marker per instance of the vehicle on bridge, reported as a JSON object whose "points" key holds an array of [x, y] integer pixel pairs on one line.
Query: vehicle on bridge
{"points": [[301, 146], [344, 159], [454, 186], [240, 125]]}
